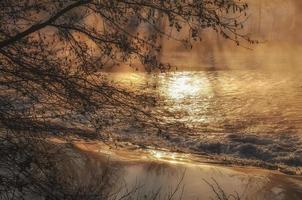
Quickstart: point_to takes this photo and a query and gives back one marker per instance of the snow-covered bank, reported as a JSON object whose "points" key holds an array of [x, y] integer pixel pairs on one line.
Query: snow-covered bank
{"points": [[161, 171]]}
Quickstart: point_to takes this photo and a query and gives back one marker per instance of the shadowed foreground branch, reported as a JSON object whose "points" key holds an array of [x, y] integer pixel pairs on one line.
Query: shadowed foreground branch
{"points": [[53, 55]]}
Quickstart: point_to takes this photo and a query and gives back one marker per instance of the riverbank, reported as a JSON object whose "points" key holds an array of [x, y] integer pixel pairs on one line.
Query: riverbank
{"points": [[194, 177]]}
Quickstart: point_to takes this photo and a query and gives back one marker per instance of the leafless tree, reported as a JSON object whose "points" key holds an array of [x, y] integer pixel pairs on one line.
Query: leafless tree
{"points": [[53, 54]]}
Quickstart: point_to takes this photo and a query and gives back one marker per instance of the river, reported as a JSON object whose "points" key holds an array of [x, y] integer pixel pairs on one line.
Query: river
{"points": [[250, 116]]}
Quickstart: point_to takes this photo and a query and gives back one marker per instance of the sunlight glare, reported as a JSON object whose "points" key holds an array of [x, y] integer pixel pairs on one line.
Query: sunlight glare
{"points": [[183, 86]]}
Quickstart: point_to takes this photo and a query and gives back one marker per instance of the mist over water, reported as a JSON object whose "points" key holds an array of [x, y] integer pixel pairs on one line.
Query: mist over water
{"points": [[246, 114], [242, 102], [275, 24]]}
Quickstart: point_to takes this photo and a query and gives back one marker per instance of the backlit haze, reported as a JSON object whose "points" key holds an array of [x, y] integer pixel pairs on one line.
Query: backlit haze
{"points": [[275, 24], [241, 101]]}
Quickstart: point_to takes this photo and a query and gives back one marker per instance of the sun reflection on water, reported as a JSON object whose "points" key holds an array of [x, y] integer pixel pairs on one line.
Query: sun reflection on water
{"points": [[167, 156], [174, 86], [184, 93], [182, 85]]}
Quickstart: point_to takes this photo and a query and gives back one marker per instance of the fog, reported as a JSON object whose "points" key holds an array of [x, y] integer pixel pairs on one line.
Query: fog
{"points": [[275, 24]]}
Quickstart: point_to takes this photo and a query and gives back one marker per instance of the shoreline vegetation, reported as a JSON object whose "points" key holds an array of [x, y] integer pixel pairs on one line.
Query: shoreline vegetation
{"points": [[68, 131], [83, 169]]}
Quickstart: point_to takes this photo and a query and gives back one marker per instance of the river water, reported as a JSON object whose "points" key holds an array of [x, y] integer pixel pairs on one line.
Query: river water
{"points": [[249, 115]]}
